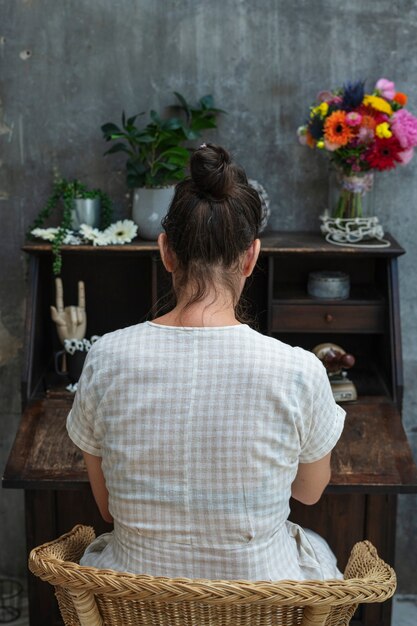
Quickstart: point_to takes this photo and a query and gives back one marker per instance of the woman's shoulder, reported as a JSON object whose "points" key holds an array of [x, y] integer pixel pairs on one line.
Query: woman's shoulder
{"points": [[272, 345], [119, 339], [275, 351]]}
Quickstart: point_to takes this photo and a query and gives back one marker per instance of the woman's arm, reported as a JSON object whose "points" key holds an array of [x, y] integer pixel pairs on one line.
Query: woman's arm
{"points": [[98, 485], [311, 480]]}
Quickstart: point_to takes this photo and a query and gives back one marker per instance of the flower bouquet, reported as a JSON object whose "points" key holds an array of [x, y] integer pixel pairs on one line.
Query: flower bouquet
{"points": [[362, 133]]}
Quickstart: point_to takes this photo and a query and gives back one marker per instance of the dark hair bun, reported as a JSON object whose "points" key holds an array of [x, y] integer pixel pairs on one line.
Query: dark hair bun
{"points": [[212, 171]]}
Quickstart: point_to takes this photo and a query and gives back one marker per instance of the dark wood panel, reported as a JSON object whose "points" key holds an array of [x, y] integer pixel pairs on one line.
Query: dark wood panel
{"points": [[78, 507], [40, 508], [396, 363], [380, 530], [330, 318]]}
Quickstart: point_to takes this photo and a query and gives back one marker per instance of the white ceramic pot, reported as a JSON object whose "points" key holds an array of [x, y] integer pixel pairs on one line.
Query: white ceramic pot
{"points": [[149, 207]]}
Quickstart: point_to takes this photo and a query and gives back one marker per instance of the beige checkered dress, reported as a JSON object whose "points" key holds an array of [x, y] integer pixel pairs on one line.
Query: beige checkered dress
{"points": [[201, 431]]}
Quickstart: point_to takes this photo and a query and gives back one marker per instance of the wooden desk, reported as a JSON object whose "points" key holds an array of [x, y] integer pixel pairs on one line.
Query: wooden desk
{"points": [[371, 463], [372, 455]]}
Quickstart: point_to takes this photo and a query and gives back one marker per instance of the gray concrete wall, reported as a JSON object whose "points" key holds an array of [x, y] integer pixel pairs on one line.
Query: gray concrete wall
{"points": [[67, 67]]}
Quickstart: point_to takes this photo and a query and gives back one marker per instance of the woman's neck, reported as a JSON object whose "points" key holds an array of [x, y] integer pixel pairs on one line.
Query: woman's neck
{"points": [[208, 312]]}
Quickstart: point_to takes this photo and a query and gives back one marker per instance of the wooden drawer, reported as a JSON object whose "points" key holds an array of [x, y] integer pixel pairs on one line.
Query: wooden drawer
{"points": [[318, 318]]}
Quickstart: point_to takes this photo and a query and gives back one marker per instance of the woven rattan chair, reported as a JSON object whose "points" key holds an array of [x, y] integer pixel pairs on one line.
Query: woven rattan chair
{"points": [[88, 596]]}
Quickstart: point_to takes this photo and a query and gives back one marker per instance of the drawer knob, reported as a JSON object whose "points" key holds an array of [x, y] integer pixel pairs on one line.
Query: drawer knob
{"points": [[329, 317]]}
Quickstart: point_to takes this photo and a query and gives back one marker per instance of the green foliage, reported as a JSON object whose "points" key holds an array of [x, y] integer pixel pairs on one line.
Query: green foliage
{"points": [[65, 192], [156, 156]]}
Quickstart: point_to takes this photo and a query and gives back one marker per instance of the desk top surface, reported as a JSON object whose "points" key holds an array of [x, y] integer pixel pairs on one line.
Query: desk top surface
{"points": [[373, 454], [273, 242]]}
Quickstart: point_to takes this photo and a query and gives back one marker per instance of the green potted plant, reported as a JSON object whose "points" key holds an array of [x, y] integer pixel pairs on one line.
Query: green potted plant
{"points": [[80, 205], [157, 156]]}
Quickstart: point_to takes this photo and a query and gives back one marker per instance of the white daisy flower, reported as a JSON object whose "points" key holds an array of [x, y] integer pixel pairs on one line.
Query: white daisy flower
{"points": [[71, 239], [122, 231], [102, 239], [88, 232], [94, 235], [48, 234]]}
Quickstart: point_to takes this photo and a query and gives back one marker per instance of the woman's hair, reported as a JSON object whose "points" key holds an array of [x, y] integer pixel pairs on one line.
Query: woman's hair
{"points": [[212, 220]]}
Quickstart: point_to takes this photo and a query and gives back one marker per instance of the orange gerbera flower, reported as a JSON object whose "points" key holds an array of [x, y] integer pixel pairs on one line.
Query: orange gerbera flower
{"points": [[336, 130], [369, 122], [401, 98]]}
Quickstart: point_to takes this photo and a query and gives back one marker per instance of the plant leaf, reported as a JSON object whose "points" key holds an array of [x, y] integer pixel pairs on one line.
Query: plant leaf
{"points": [[202, 123], [207, 102], [176, 151], [184, 104], [131, 120], [190, 134], [155, 117], [118, 147], [166, 166], [173, 123], [108, 129], [144, 138]]}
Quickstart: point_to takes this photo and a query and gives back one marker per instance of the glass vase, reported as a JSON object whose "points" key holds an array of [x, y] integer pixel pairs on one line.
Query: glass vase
{"points": [[350, 218], [351, 195]]}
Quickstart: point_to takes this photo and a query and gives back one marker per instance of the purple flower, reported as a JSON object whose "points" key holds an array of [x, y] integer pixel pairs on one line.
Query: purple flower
{"points": [[386, 88], [353, 95], [404, 127], [325, 96]]}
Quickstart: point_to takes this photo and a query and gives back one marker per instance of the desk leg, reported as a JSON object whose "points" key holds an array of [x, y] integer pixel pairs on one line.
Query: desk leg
{"points": [[380, 530], [40, 509]]}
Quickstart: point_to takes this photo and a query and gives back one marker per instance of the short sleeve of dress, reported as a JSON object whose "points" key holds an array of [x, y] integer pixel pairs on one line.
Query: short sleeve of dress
{"points": [[82, 419], [325, 419]]}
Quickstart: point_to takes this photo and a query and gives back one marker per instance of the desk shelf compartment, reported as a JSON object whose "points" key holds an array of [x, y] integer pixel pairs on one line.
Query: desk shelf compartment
{"points": [[351, 316]]}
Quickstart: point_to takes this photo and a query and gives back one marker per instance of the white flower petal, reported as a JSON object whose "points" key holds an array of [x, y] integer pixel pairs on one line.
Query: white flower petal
{"points": [[48, 234], [122, 231]]}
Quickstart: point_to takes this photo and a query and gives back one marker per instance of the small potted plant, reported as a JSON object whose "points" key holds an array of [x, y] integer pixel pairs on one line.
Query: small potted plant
{"points": [[157, 157], [80, 205]]}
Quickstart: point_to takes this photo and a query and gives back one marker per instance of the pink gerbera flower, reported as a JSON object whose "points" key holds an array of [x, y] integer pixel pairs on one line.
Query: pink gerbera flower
{"points": [[404, 127], [353, 118]]}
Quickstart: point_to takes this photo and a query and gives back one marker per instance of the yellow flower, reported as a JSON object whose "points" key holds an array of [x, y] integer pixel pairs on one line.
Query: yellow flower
{"points": [[378, 103], [320, 109], [320, 144], [383, 131]]}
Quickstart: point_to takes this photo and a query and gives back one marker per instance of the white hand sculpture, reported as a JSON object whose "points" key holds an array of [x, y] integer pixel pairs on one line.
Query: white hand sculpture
{"points": [[71, 321]]}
